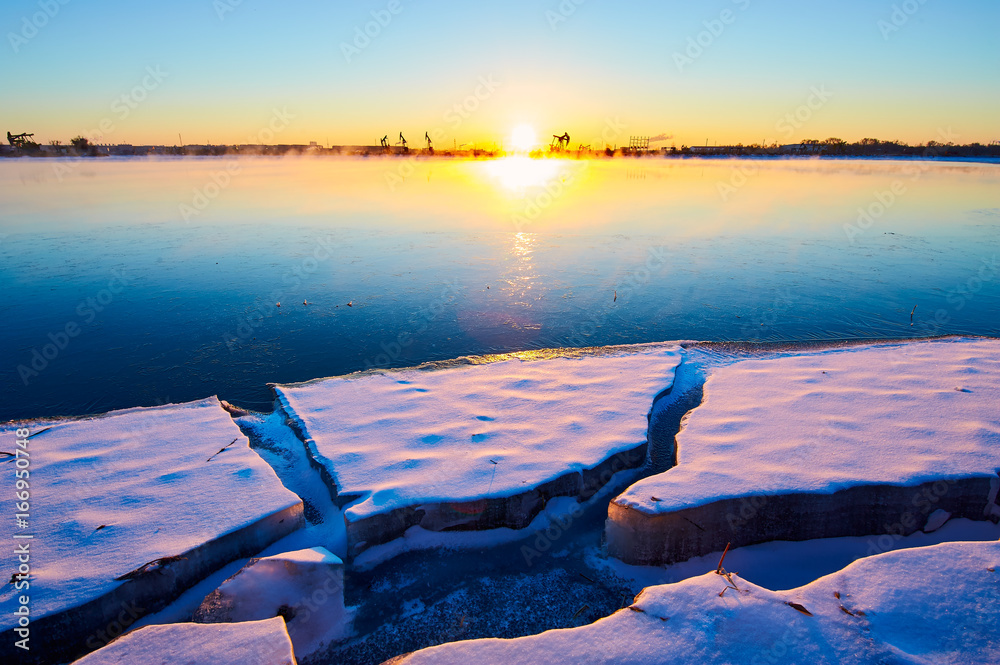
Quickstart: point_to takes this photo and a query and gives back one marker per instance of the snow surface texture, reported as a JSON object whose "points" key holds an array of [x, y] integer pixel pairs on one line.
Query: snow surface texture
{"points": [[306, 587], [926, 605], [248, 643], [851, 441], [476, 446], [112, 493]]}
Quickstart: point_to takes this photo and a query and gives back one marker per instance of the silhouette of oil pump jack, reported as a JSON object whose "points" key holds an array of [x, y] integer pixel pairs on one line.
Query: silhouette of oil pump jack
{"points": [[20, 140], [562, 141]]}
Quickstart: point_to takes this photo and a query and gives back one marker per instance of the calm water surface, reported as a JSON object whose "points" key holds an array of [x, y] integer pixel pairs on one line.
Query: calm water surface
{"points": [[132, 282]]}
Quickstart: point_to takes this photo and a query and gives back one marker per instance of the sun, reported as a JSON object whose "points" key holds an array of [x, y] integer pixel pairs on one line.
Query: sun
{"points": [[523, 138]]}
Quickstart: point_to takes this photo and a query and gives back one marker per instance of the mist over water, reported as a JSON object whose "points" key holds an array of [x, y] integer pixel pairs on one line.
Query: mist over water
{"points": [[133, 282]]}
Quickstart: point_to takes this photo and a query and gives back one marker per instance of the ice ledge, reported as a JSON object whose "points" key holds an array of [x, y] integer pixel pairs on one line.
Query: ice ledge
{"points": [[476, 446], [857, 441], [637, 537], [128, 510]]}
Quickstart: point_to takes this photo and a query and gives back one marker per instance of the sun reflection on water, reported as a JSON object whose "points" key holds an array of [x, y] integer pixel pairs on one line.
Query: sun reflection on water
{"points": [[519, 173], [520, 275]]}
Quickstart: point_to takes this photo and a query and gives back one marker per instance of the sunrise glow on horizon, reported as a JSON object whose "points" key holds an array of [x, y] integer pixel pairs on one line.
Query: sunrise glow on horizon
{"points": [[198, 72]]}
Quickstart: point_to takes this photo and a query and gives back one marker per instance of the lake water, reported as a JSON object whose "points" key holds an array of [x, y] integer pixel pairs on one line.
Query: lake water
{"points": [[135, 282]]}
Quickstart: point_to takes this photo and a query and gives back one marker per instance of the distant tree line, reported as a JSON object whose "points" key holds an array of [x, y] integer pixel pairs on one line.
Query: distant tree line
{"points": [[866, 147], [21, 144]]}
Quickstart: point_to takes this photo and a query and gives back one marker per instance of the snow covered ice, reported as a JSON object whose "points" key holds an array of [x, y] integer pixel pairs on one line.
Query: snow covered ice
{"points": [[248, 643], [925, 605], [480, 445], [436, 531], [849, 441], [127, 512], [306, 587]]}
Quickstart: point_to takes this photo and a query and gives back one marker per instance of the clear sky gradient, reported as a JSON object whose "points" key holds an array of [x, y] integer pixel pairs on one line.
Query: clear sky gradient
{"points": [[611, 68]]}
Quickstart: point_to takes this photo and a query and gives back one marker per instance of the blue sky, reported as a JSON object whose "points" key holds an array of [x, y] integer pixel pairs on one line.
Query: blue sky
{"points": [[227, 67]]}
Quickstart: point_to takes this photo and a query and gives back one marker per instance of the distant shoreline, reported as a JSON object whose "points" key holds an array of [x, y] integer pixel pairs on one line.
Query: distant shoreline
{"points": [[829, 149], [971, 159]]}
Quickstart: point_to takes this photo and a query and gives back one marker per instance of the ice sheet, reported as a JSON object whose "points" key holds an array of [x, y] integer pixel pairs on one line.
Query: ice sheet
{"points": [[113, 492], [465, 433], [820, 422]]}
